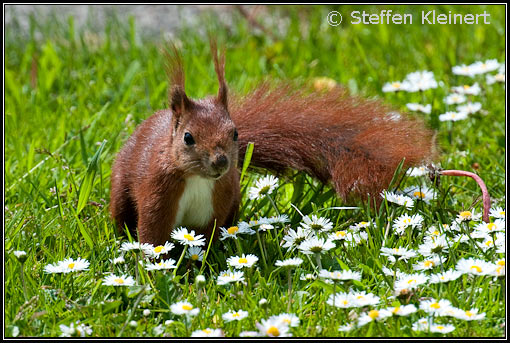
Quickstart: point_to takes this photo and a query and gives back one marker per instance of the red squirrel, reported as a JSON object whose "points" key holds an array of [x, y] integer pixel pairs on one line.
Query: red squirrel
{"points": [[180, 166]]}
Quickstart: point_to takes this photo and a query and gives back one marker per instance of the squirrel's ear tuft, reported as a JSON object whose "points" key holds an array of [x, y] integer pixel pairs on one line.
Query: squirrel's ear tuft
{"points": [[178, 101], [219, 67]]}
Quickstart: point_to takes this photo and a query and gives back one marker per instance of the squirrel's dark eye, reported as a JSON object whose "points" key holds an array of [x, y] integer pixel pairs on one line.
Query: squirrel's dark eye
{"points": [[235, 135], [188, 139]]}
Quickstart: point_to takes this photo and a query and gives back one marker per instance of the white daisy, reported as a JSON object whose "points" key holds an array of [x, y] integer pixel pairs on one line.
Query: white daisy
{"points": [[449, 275], [315, 245], [403, 310], [361, 225], [428, 264], [289, 319], [467, 89], [234, 231], [183, 236], [363, 299], [442, 328], [234, 315], [467, 216], [156, 251], [465, 70], [75, 330], [127, 246], [244, 261], [162, 265], [283, 218], [67, 266], [208, 333], [184, 307], [497, 212], [470, 107], [372, 315], [263, 187], [341, 300], [405, 221], [290, 262], [339, 235], [499, 77], [405, 283], [294, 238], [317, 224], [402, 253], [423, 324], [434, 307], [227, 277], [420, 81], [118, 260], [417, 171], [347, 327], [453, 116], [399, 199], [356, 237], [273, 328], [395, 86], [474, 266], [455, 98], [420, 108], [499, 268], [423, 193], [340, 275], [485, 67], [195, 253], [123, 280], [431, 247], [468, 315]]}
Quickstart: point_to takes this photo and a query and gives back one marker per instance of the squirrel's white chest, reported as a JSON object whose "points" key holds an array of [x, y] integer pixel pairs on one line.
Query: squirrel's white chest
{"points": [[195, 207]]}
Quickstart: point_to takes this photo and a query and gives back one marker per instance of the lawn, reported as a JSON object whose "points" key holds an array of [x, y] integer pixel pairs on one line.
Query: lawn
{"points": [[74, 94]]}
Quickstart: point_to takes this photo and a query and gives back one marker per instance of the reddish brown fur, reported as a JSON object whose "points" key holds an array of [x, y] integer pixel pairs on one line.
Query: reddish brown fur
{"points": [[345, 140]]}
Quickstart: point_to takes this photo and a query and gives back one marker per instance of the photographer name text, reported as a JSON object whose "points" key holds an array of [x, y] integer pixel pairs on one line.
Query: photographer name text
{"points": [[427, 18]]}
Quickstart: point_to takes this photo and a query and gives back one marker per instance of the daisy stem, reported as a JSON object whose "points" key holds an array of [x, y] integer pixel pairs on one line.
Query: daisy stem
{"points": [[274, 205], [136, 268], [131, 312], [261, 250], [318, 259], [22, 274], [238, 245], [290, 289], [180, 260]]}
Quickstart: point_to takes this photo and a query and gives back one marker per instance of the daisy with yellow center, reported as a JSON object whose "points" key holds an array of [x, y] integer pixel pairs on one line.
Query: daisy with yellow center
{"points": [[474, 267], [195, 253], [68, 265], [208, 333], [184, 307], [123, 280], [188, 238], [234, 315], [372, 315], [244, 261], [156, 251], [235, 231], [435, 307], [273, 327], [162, 265]]}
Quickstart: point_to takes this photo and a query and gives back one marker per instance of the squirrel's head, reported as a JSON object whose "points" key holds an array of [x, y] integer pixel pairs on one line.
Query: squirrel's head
{"points": [[204, 137]]}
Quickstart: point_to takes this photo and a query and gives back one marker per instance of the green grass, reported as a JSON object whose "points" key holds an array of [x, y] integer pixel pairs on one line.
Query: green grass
{"points": [[73, 96]]}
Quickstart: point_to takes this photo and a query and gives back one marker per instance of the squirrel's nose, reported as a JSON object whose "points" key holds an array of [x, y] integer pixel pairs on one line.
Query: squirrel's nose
{"points": [[220, 163]]}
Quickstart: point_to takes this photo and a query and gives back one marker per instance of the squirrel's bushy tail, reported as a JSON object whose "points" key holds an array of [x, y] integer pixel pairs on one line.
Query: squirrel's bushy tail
{"points": [[354, 143]]}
